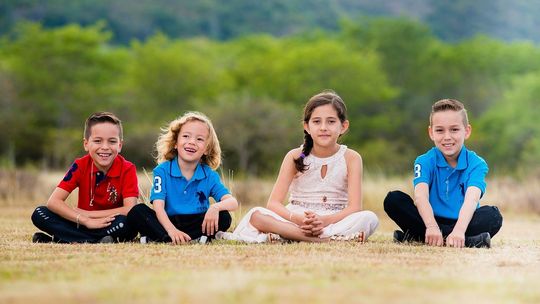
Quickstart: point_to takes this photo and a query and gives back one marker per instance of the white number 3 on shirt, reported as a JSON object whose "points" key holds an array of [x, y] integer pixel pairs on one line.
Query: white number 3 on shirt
{"points": [[157, 184], [417, 169]]}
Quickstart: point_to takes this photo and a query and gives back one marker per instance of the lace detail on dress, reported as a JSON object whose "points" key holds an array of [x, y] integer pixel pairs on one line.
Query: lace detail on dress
{"points": [[314, 192]]}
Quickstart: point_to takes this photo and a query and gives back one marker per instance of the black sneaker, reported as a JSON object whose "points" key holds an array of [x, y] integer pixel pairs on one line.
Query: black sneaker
{"points": [[106, 240], [399, 236], [40, 237], [478, 241]]}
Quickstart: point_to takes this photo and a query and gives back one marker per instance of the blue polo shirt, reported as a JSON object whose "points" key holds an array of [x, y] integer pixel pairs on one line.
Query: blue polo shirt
{"points": [[184, 196], [447, 185]]}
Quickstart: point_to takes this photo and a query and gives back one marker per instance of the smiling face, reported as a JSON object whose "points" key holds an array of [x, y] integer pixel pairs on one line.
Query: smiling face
{"points": [[103, 144], [449, 132], [325, 127], [192, 141]]}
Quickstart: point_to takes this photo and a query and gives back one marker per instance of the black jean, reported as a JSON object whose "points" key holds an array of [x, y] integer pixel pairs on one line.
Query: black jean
{"points": [[401, 209], [144, 220], [66, 231]]}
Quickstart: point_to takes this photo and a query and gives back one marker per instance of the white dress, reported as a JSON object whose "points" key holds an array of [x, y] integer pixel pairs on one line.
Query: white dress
{"points": [[322, 195]]}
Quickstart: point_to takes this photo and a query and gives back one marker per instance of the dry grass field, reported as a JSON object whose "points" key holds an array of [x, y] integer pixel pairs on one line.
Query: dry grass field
{"points": [[225, 272]]}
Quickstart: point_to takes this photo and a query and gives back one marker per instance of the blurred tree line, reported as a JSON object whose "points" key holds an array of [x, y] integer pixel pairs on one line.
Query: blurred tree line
{"points": [[389, 72]]}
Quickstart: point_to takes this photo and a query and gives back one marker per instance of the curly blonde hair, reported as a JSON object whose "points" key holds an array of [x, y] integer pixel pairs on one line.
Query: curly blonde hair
{"points": [[165, 145]]}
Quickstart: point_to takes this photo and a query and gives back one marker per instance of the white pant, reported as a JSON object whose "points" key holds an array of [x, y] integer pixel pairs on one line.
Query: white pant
{"points": [[365, 221]]}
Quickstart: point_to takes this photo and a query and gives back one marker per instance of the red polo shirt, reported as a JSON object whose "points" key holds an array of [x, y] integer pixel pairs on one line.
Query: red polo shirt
{"points": [[105, 190]]}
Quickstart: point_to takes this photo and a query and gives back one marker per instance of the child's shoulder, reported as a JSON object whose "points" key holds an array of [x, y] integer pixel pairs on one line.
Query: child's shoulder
{"points": [[126, 164], [474, 159], [429, 155], [294, 153]]}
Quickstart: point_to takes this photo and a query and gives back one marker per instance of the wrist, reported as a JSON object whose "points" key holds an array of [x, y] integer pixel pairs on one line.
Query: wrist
{"points": [[215, 206]]}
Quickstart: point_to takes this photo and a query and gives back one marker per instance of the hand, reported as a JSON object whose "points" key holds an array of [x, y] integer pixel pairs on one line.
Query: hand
{"points": [[95, 223], [434, 236], [313, 224], [178, 237], [211, 220], [456, 239]]}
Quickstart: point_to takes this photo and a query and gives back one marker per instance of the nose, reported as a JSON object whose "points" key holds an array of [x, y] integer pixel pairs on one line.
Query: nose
{"points": [[446, 135]]}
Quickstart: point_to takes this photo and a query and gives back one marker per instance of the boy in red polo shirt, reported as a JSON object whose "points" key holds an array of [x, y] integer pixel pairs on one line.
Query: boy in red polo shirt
{"points": [[108, 188]]}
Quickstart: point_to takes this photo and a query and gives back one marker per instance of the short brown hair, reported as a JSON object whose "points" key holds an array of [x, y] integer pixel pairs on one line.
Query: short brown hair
{"points": [[101, 117], [449, 105]]}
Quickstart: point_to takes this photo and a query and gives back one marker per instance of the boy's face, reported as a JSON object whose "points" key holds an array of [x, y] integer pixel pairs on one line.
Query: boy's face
{"points": [[192, 141], [449, 133], [103, 145]]}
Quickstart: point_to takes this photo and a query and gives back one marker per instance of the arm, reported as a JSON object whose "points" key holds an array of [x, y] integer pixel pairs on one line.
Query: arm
{"points": [[421, 198], [177, 237], [457, 237], [57, 204], [129, 202], [281, 187], [211, 218]]}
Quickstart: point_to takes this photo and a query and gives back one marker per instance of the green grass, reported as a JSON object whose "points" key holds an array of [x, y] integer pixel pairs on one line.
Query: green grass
{"points": [[376, 272]]}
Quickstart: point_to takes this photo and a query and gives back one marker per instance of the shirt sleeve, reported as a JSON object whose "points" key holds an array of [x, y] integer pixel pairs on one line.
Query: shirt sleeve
{"points": [[477, 176], [71, 179], [217, 190], [422, 170], [131, 183], [159, 190]]}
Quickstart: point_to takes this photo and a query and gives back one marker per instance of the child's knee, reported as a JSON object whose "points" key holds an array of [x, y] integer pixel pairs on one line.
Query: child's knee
{"points": [[257, 219], [136, 211], [225, 220], [371, 218], [40, 215], [393, 198]]}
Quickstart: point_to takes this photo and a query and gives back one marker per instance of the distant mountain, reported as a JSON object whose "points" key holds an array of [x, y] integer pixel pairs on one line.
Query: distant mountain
{"points": [[451, 20]]}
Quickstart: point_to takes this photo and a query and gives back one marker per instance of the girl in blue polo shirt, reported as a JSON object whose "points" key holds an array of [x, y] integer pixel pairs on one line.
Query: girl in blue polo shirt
{"points": [[449, 181], [188, 152]]}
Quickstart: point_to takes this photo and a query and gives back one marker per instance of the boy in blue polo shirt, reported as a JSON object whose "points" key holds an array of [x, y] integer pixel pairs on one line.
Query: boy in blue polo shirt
{"points": [[449, 181], [184, 180]]}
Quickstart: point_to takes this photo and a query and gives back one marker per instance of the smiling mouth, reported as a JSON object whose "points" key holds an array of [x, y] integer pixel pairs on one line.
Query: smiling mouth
{"points": [[190, 150], [104, 155]]}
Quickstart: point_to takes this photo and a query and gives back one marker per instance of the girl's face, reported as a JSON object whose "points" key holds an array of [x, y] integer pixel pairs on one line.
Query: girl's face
{"points": [[103, 145], [449, 133], [325, 127], [192, 141]]}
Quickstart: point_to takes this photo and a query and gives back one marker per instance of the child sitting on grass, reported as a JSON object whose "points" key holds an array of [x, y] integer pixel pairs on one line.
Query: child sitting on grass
{"points": [[449, 181], [184, 180], [108, 188]]}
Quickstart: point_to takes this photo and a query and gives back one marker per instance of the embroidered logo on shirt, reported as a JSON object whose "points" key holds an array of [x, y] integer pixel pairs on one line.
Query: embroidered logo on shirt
{"points": [[69, 174], [202, 197], [113, 194]]}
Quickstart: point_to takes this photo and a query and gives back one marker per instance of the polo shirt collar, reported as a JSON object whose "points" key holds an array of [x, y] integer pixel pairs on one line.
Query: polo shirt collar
{"points": [[115, 170], [176, 172], [461, 163]]}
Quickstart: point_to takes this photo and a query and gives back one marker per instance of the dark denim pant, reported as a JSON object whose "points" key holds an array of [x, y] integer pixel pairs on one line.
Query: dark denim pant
{"points": [[400, 207], [144, 219], [66, 231]]}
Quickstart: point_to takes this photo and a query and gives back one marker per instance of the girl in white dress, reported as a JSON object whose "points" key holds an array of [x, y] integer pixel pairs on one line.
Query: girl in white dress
{"points": [[325, 184]]}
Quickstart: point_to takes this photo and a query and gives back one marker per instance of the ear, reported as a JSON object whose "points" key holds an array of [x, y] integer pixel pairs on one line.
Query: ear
{"points": [[430, 132], [344, 127], [120, 143], [468, 131], [85, 144], [306, 127]]}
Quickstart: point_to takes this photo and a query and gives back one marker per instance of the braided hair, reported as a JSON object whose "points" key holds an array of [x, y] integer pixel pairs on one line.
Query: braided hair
{"points": [[321, 99]]}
